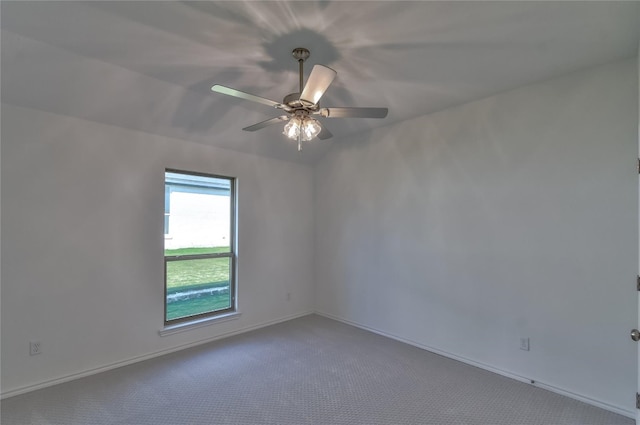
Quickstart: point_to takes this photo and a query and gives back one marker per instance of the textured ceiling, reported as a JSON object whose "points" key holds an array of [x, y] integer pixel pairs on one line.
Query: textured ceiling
{"points": [[149, 66]]}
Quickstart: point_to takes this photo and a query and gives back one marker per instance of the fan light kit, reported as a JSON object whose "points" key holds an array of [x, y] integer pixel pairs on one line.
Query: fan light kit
{"points": [[302, 129], [300, 106]]}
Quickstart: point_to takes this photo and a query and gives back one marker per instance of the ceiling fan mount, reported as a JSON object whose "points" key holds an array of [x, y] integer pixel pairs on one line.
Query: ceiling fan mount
{"points": [[299, 106], [301, 54], [293, 102]]}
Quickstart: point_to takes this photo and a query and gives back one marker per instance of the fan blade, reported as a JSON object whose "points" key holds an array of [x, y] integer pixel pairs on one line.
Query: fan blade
{"points": [[242, 95], [318, 82], [354, 112], [266, 123], [324, 133]]}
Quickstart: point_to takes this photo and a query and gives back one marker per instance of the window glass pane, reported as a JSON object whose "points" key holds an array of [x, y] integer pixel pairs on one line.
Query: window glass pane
{"points": [[200, 214], [198, 286]]}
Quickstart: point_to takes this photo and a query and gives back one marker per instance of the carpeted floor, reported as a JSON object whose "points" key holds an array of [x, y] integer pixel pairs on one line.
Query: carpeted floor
{"points": [[310, 370]]}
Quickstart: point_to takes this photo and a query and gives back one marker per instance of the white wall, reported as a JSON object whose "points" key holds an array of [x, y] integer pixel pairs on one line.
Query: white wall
{"points": [[512, 216], [82, 243]]}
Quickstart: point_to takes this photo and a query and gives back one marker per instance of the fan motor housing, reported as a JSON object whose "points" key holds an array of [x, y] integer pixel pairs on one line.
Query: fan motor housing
{"points": [[292, 100]]}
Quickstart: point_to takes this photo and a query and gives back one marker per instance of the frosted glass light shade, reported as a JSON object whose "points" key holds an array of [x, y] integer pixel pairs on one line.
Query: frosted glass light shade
{"points": [[292, 128], [304, 128], [311, 128]]}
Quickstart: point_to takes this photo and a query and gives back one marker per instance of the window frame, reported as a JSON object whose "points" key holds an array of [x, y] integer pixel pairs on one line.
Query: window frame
{"points": [[167, 208], [231, 255]]}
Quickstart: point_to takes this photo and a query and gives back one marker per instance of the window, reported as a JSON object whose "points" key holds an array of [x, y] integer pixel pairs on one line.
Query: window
{"points": [[199, 257]]}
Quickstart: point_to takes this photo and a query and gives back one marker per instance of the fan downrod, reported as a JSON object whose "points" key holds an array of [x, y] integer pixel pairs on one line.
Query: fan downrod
{"points": [[301, 54]]}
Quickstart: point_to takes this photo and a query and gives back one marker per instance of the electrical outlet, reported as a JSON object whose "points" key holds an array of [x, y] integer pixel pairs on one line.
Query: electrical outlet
{"points": [[524, 344], [35, 348]]}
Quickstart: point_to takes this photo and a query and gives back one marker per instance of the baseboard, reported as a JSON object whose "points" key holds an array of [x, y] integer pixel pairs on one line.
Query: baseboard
{"points": [[89, 372], [597, 403]]}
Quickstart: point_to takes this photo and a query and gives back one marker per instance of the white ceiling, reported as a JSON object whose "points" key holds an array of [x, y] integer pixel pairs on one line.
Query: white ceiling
{"points": [[149, 65]]}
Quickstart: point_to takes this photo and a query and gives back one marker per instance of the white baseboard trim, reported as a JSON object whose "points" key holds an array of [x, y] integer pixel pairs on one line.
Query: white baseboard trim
{"points": [[115, 365], [597, 403]]}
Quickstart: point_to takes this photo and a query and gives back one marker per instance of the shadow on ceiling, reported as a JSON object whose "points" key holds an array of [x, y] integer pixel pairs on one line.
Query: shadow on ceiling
{"points": [[195, 116]]}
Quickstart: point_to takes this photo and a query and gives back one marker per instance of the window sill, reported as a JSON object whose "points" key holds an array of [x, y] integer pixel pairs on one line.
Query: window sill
{"points": [[187, 326]]}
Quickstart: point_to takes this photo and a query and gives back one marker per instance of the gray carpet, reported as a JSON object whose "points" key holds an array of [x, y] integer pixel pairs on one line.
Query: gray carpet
{"points": [[310, 370]]}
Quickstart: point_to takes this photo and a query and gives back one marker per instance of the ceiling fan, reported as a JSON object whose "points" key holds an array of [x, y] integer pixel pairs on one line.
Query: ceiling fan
{"points": [[300, 107]]}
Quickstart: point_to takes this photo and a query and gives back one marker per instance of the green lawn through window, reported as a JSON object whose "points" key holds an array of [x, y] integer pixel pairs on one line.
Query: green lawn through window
{"points": [[196, 251], [196, 286]]}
